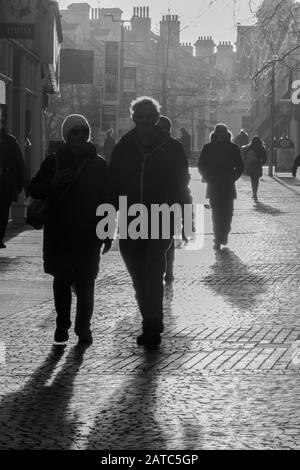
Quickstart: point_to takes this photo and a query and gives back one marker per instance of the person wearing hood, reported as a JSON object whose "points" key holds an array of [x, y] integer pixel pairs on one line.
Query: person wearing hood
{"points": [[148, 166], [220, 164], [76, 177]]}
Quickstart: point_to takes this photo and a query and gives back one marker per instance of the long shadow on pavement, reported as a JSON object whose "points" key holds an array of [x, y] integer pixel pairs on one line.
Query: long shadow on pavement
{"points": [[36, 416], [266, 209], [129, 420], [134, 416], [232, 279], [14, 230]]}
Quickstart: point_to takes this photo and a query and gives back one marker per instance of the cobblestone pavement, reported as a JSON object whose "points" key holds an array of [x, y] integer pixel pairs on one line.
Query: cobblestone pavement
{"points": [[226, 375]]}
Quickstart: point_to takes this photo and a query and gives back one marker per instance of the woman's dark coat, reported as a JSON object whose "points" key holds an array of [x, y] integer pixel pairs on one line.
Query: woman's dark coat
{"points": [[70, 240], [220, 164], [253, 168]]}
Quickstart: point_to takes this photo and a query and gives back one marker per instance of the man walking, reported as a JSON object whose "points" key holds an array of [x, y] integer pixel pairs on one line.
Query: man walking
{"points": [[220, 164], [149, 167]]}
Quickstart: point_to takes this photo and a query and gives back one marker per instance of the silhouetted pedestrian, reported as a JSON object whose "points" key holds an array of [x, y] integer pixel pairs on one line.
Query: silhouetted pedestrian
{"points": [[220, 164], [11, 175], [165, 125], [254, 158], [242, 138], [148, 167], [76, 177], [185, 140], [295, 165], [109, 145]]}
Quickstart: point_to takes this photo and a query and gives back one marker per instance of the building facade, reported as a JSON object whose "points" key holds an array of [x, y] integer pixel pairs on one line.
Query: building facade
{"points": [[30, 39], [197, 85], [274, 37]]}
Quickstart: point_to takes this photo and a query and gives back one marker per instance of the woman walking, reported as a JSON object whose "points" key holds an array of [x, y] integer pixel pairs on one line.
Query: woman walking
{"points": [[75, 181], [220, 164], [255, 157], [11, 176]]}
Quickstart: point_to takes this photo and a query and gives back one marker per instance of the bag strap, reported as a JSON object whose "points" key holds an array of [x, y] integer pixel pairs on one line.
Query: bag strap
{"points": [[65, 192], [56, 163]]}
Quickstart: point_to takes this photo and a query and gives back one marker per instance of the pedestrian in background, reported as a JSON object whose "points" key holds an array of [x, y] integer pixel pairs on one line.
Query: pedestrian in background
{"points": [[76, 177], [255, 157], [109, 145], [295, 165], [220, 164], [242, 138], [148, 166], [11, 175], [165, 125], [185, 140]]}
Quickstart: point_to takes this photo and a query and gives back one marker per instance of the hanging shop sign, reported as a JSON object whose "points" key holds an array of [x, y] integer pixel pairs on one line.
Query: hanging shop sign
{"points": [[76, 66]]}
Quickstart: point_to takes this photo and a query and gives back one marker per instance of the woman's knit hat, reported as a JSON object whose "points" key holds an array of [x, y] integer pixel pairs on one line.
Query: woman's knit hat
{"points": [[71, 121]]}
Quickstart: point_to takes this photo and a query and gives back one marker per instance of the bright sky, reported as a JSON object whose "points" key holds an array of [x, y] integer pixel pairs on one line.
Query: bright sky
{"points": [[216, 18]]}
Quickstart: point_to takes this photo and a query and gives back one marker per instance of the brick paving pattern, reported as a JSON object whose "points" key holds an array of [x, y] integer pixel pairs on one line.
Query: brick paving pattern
{"points": [[226, 375]]}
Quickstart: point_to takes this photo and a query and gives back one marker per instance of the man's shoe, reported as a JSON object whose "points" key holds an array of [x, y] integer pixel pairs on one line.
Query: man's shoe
{"points": [[61, 336], [2, 245], [85, 340], [145, 339]]}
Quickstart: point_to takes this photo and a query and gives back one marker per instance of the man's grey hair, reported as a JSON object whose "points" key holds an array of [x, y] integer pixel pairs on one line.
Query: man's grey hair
{"points": [[142, 100]]}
